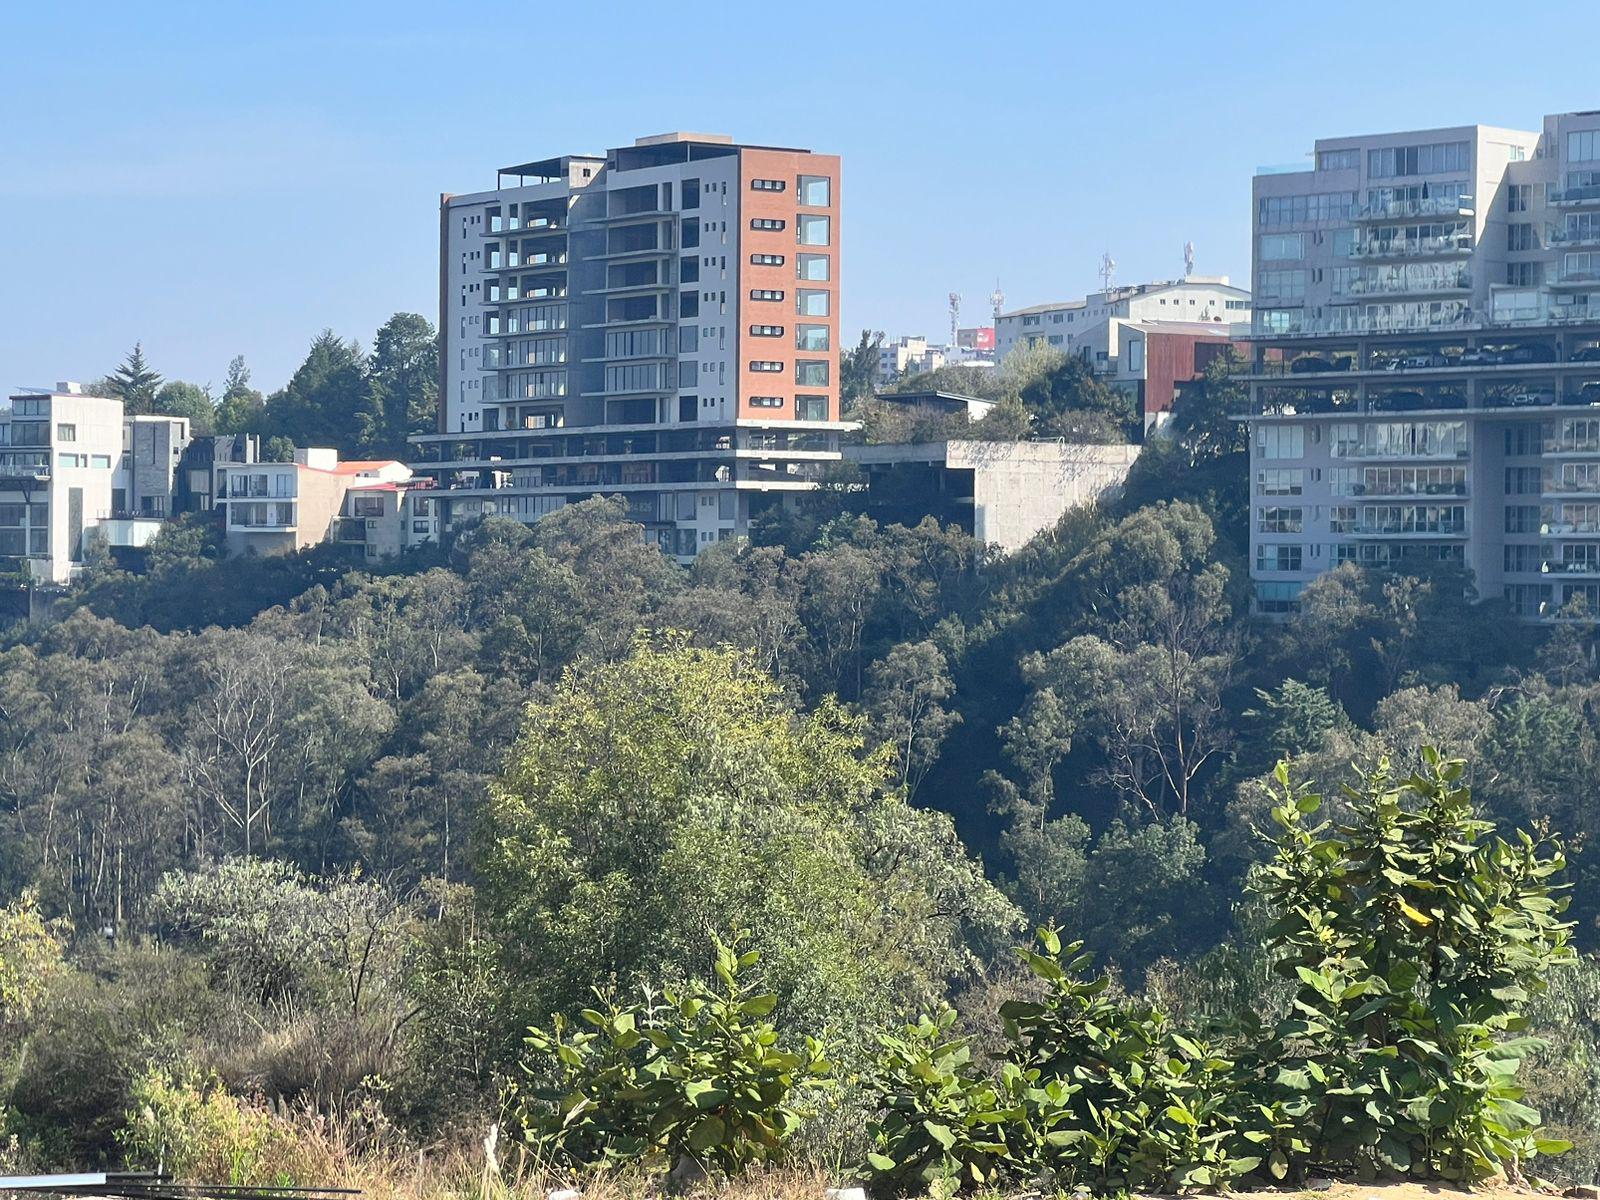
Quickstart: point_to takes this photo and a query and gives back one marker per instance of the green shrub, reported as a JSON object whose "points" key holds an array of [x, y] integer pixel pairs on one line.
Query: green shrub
{"points": [[943, 1121], [189, 1126], [697, 1075], [1415, 939]]}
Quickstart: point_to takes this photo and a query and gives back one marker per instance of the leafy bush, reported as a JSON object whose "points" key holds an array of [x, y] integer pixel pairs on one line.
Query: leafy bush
{"points": [[698, 1075], [191, 1127], [1416, 939]]}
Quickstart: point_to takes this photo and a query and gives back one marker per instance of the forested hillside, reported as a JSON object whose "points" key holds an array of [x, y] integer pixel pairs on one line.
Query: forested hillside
{"points": [[295, 832]]}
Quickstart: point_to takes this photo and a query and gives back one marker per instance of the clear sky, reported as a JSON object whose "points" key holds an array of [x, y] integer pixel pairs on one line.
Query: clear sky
{"points": [[226, 177]]}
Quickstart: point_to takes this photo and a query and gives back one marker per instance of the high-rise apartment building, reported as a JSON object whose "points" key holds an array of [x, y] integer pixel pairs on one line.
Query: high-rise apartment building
{"points": [[1425, 378], [660, 322]]}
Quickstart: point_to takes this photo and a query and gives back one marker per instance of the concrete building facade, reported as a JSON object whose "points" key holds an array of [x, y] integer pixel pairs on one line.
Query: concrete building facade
{"points": [[1003, 493], [1425, 366], [659, 322]]}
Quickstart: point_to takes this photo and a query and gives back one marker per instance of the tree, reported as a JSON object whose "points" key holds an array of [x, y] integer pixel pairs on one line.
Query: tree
{"points": [[1203, 415], [905, 689], [135, 383], [1070, 401], [654, 801], [323, 403], [403, 384], [858, 370], [178, 398], [241, 408]]}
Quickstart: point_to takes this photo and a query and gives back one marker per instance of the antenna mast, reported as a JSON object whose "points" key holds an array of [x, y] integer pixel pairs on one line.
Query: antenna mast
{"points": [[955, 317], [1108, 271], [997, 301], [1188, 259]]}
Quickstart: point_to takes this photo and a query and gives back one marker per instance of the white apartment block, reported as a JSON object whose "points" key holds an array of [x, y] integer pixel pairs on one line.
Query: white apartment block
{"points": [[659, 322], [1425, 377], [71, 466], [1090, 327], [1145, 339]]}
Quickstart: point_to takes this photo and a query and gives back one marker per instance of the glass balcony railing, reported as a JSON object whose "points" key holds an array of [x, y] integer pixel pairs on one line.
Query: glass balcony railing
{"points": [[1433, 247], [1412, 285], [1576, 567], [1428, 206], [1576, 235], [1586, 195]]}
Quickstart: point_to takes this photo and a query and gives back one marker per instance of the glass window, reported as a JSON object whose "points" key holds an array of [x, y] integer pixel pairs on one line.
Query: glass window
{"points": [[1278, 247], [66, 433], [811, 337], [1583, 145], [814, 192], [811, 374], [813, 230], [812, 266], [809, 302], [811, 408]]}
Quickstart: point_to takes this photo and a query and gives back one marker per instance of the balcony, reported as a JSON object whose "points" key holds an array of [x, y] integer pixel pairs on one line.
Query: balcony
{"points": [[1451, 207], [539, 225], [1587, 196], [1407, 285], [1584, 280], [532, 263], [1581, 235], [1583, 569], [1392, 529], [1400, 248], [516, 296], [1563, 528]]}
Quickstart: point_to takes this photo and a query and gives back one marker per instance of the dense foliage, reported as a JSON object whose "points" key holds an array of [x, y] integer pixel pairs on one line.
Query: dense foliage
{"points": [[292, 833]]}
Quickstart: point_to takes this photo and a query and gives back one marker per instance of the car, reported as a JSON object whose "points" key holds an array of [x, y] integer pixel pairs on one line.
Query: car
{"points": [[1587, 354], [1345, 362], [1479, 358], [1530, 399], [1416, 362], [1529, 354], [1308, 364], [1589, 394], [1400, 402]]}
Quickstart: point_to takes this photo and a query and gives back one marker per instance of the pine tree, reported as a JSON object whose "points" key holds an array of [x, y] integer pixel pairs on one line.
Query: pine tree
{"points": [[135, 383]]}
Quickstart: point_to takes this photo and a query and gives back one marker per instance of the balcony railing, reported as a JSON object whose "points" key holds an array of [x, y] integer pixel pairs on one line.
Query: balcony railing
{"points": [[1430, 206], [1433, 247], [1404, 285], [1387, 529], [1563, 197], [1582, 235], [1570, 568]]}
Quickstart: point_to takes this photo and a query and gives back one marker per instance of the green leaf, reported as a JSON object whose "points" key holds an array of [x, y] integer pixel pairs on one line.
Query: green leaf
{"points": [[880, 1162], [1278, 1164], [940, 1133]]}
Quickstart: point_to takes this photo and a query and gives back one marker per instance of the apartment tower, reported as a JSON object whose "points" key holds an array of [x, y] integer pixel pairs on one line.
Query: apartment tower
{"points": [[1425, 361], [659, 323]]}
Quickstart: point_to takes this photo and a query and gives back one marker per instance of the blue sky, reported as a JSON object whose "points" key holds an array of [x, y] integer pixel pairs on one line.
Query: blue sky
{"points": [[228, 178]]}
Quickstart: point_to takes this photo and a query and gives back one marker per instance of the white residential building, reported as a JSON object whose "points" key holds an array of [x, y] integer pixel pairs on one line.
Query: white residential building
{"points": [[1425, 372], [1147, 339]]}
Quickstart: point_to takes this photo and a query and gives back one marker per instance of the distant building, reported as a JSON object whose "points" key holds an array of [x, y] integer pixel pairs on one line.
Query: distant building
{"points": [[1146, 339], [931, 400], [1003, 493], [659, 322], [276, 508], [1425, 370], [916, 355]]}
